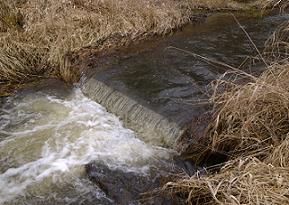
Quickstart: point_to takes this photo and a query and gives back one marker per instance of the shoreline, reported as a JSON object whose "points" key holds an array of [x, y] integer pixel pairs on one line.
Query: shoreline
{"points": [[41, 49]]}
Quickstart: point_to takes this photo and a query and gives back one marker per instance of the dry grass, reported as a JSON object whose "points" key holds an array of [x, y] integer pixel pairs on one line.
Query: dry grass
{"points": [[281, 4], [277, 47], [242, 181], [279, 157], [37, 35], [251, 127], [252, 117]]}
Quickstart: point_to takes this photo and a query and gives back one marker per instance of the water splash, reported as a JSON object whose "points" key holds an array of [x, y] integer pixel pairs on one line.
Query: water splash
{"points": [[151, 126], [46, 137]]}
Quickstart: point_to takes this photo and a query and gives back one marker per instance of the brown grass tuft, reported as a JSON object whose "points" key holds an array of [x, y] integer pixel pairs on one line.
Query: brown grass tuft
{"points": [[254, 117], [242, 181], [277, 46], [281, 4], [280, 154], [10, 16], [252, 128]]}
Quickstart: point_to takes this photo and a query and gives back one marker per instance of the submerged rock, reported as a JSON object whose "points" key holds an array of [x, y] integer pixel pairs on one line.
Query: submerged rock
{"points": [[127, 187]]}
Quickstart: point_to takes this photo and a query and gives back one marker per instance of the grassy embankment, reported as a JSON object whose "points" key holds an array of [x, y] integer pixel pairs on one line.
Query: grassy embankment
{"points": [[38, 36], [251, 127]]}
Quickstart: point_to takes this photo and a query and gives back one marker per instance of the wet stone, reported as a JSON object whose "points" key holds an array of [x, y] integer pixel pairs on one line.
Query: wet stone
{"points": [[124, 187]]}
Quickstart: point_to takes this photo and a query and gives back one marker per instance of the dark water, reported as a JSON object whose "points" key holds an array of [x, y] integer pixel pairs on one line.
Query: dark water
{"points": [[173, 83]]}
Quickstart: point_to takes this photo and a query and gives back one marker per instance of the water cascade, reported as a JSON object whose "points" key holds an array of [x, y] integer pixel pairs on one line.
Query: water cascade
{"points": [[151, 126]]}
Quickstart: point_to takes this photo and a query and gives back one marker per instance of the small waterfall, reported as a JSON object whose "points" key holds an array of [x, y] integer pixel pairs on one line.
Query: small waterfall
{"points": [[151, 126]]}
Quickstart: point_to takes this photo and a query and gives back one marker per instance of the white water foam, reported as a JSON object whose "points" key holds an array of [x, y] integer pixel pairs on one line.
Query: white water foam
{"points": [[62, 134]]}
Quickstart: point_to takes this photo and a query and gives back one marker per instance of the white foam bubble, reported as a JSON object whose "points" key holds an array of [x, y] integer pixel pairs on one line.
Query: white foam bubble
{"points": [[80, 131]]}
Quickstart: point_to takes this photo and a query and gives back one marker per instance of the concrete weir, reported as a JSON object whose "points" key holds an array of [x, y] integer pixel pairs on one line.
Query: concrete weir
{"points": [[151, 126], [159, 91]]}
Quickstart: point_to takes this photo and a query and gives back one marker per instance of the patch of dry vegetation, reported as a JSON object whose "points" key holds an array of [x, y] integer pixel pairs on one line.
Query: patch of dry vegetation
{"points": [[52, 29], [241, 181], [37, 36], [277, 47], [282, 4], [252, 117], [251, 127]]}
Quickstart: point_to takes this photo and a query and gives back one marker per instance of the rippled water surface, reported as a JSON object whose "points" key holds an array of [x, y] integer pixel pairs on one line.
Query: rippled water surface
{"points": [[172, 81]]}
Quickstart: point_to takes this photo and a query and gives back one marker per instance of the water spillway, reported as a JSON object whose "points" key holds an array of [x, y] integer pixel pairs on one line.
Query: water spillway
{"points": [[153, 127], [159, 90]]}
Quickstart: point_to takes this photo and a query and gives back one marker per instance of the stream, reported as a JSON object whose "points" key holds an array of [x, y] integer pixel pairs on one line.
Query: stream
{"points": [[48, 136], [80, 144]]}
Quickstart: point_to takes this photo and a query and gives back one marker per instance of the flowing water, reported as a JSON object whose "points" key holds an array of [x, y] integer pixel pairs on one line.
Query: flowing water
{"points": [[45, 139], [167, 87], [51, 134]]}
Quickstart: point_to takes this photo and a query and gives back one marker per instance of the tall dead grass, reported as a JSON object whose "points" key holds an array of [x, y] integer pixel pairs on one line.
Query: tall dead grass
{"points": [[282, 4], [52, 29], [277, 46], [37, 35], [241, 181], [251, 127], [251, 117]]}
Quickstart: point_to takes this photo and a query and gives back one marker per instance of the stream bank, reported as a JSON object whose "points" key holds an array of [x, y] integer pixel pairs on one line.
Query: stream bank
{"points": [[59, 147], [37, 44]]}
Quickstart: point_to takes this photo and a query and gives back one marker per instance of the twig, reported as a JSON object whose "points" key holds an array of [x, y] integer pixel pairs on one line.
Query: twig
{"points": [[250, 39], [212, 62]]}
